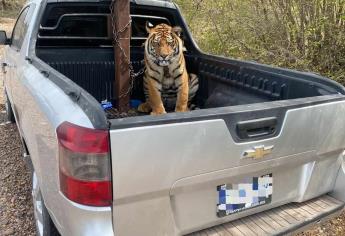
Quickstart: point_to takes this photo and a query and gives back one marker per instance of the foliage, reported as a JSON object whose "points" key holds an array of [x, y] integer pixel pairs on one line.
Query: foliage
{"points": [[10, 8], [306, 35]]}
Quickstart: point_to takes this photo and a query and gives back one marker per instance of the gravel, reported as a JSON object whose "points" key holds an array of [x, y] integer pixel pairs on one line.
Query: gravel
{"points": [[16, 213], [333, 227]]}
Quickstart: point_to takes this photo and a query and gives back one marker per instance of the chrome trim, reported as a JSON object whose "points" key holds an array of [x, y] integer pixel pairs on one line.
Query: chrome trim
{"points": [[77, 37], [97, 14], [152, 17]]}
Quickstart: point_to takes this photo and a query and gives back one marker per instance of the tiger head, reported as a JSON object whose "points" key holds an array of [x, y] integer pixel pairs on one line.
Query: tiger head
{"points": [[163, 45]]}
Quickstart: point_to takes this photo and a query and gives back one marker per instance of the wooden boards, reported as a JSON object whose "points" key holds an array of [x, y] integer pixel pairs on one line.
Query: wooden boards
{"points": [[280, 220]]}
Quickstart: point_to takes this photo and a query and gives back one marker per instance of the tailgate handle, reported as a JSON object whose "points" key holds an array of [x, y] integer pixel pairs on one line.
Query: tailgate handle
{"points": [[257, 128]]}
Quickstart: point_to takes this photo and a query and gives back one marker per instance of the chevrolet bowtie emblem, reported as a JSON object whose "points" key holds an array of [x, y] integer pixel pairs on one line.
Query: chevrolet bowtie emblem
{"points": [[258, 152]]}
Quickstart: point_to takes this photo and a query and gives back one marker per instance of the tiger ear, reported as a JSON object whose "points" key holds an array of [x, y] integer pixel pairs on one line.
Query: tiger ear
{"points": [[149, 26], [177, 30]]}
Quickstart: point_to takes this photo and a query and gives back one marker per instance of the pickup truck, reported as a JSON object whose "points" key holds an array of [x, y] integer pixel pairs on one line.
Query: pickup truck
{"points": [[262, 155]]}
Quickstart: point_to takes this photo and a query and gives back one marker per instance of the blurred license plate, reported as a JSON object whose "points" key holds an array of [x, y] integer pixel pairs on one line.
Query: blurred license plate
{"points": [[251, 192]]}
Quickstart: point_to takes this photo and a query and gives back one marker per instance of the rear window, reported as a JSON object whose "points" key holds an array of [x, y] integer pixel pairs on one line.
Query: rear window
{"points": [[87, 26], [75, 25], [96, 26]]}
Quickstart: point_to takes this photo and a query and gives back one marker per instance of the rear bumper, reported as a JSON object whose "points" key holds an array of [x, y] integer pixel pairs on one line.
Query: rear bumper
{"points": [[285, 220]]}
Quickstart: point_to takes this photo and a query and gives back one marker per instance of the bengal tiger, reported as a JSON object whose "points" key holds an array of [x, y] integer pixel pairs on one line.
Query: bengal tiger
{"points": [[166, 81]]}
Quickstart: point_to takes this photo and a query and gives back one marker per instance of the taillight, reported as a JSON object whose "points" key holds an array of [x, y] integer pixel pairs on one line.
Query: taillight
{"points": [[84, 163]]}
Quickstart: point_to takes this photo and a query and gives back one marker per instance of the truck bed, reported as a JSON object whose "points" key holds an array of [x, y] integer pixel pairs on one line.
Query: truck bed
{"points": [[93, 70], [87, 58], [223, 82]]}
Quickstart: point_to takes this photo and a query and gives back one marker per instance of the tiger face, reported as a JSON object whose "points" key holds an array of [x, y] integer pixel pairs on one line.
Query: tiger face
{"points": [[163, 44]]}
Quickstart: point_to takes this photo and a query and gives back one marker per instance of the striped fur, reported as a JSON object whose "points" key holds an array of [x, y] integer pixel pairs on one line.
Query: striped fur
{"points": [[167, 84]]}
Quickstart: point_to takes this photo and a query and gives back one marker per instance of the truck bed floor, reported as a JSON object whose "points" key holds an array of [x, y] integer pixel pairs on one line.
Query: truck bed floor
{"points": [[279, 221]]}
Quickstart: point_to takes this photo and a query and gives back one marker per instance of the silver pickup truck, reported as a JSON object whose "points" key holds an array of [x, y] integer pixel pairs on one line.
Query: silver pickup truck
{"points": [[262, 155]]}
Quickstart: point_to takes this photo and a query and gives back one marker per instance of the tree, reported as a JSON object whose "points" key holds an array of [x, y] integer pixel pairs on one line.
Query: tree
{"points": [[301, 34]]}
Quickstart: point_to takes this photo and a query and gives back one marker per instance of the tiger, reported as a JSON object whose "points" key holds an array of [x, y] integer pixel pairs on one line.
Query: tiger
{"points": [[166, 80]]}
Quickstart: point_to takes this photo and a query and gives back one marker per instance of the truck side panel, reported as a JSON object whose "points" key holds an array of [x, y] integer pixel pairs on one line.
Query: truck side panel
{"points": [[39, 113], [40, 106]]}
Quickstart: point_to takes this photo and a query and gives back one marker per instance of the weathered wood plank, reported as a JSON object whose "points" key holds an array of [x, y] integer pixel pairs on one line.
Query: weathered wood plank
{"points": [[316, 207], [286, 216], [321, 203], [222, 231], [243, 228], [269, 221], [211, 232], [329, 204], [300, 210], [331, 200], [253, 226], [307, 208], [233, 230], [297, 215], [263, 225], [277, 219], [202, 233]]}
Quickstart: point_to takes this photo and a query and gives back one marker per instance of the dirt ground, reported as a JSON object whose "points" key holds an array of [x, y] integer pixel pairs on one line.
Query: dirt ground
{"points": [[16, 213]]}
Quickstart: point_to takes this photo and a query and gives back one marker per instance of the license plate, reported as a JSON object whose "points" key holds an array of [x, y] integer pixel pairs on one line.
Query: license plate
{"points": [[249, 193]]}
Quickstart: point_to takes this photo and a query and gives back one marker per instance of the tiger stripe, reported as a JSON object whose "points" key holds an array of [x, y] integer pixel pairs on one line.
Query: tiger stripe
{"points": [[166, 81]]}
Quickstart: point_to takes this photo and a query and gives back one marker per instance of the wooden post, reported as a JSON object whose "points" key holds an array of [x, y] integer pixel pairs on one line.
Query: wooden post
{"points": [[122, 77]]}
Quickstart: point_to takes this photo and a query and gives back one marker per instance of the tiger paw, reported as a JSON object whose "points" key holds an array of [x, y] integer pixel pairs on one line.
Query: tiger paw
{"points": [[181, 109], [144, 108], [158, 113]]}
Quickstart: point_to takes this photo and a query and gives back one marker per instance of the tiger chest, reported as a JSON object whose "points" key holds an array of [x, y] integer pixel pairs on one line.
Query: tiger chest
{"points": [[169, 93], [169, 84]]}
